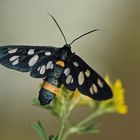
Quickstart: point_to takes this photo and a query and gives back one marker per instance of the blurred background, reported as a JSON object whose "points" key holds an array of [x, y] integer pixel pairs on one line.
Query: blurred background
{"points": [[115, 50]]}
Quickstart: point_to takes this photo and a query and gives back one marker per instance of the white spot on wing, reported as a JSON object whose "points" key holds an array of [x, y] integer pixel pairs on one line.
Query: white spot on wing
{"points": [[71, 80], [91, 90], [87, 73], [30, 51], [68, 80], [81, 78], [48, 53], [67, 71], [49, 65], [75, 64], [15, 62], [95, 88], [100, 83], [33, 60], [14, 58], [13, 50], [42, 69], [38, 68]]}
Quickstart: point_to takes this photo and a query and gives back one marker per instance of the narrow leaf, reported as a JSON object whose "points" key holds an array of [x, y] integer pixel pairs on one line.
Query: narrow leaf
{"points": [[40, 130], [92, 128], [52, 137]]}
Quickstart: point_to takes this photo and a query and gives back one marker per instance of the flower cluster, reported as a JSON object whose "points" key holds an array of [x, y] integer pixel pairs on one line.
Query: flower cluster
{"points": [[118, 100], [64, 103]]}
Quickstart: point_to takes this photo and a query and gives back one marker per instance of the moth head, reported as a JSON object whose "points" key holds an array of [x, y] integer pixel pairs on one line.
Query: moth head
{"points": [[65, 52]]}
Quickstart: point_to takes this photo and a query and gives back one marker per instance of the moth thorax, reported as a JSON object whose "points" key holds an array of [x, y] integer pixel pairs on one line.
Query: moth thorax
{"points": [[63, 55], [60, 63]]}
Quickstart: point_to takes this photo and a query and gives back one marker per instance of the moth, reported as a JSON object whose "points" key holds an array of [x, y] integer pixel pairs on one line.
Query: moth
{"points": [[56, 66]]}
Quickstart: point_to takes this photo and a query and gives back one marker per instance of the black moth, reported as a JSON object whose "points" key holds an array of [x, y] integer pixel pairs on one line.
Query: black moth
{"points": [[56, 66]]}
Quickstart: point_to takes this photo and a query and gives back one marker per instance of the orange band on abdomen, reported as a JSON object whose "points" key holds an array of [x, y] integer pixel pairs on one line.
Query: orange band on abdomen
{"points": [[51, 88]]}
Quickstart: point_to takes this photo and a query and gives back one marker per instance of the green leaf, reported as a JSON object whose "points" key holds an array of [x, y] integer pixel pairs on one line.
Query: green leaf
{"points": [[91, 128], [40, 130], [35, 102], [54, 107], [51, 137]]}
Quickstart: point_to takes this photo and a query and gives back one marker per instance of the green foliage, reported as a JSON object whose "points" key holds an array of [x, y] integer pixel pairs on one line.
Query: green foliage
{"points": [[40, 130], [62, 106]]}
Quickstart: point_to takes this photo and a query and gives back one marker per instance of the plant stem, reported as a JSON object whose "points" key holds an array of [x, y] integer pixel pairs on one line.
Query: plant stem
{"points": [[95, 114], [63, 120], [66, 134], [75, 129]]}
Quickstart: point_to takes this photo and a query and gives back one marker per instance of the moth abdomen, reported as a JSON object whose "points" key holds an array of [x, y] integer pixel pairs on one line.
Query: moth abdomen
{"points": [[50, 87], [45, 96]]}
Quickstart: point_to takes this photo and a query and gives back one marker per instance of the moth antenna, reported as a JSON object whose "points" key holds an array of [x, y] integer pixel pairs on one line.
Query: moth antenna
{"points": [[58, 27], [83, 35]]}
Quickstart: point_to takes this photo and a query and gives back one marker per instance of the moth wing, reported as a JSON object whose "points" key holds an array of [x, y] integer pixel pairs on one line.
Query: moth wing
{"points": [[34, 59], [86, 80], [69, 77]]}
